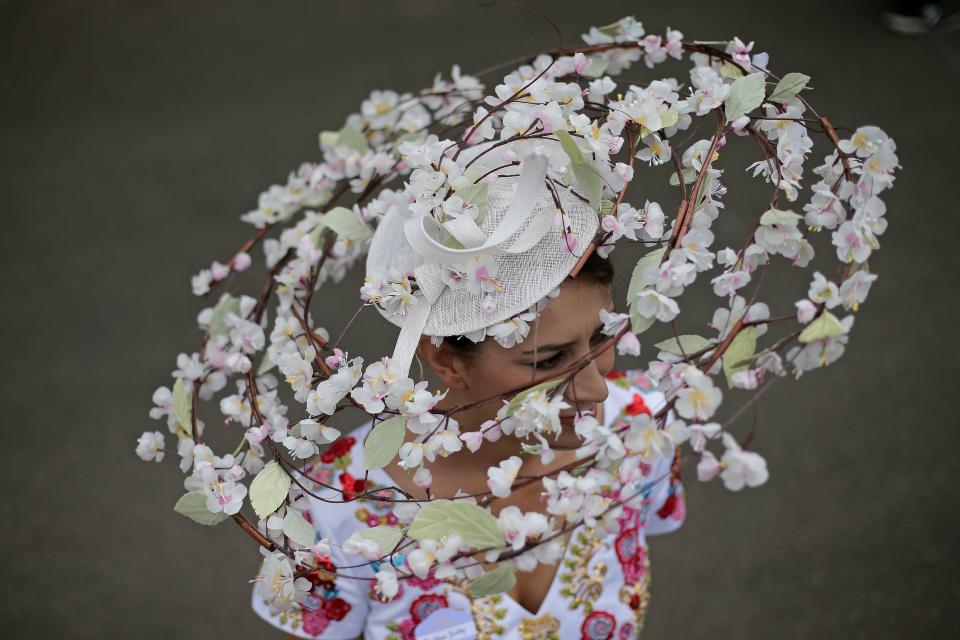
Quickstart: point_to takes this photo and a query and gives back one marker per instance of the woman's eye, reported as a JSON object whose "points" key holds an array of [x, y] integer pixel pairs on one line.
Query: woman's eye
{"points": [[547, 363]]}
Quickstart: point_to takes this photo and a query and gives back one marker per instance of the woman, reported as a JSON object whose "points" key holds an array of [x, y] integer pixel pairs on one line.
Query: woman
{"points": [[599, 590]]}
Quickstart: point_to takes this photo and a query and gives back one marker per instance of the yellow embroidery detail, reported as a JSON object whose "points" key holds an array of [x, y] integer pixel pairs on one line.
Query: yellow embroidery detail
{"points": [[543, 628], [583, 584]]}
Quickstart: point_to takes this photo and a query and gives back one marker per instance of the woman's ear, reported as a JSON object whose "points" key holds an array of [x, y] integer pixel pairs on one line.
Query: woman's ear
{"points": [[443, 360]]}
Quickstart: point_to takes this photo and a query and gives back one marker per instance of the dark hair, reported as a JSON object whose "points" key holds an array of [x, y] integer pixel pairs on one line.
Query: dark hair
{"points": [[595, 269]]}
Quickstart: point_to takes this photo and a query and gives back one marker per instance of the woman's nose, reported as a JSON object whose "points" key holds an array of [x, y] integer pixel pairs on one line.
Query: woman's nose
{"points": [[587, 387]]}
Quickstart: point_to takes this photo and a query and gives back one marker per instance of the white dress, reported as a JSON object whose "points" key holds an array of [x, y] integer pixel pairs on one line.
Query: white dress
{"points": [[599, 592]]}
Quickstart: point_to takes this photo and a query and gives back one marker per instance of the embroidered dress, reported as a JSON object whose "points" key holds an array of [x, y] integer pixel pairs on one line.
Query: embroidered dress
{"points": [[600, 590]]}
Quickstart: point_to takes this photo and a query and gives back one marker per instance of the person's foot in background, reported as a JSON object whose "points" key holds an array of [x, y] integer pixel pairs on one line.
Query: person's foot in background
{"points": [[917, 18]]}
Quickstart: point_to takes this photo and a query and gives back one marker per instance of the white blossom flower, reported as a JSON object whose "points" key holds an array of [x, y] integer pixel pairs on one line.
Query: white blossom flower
{"points": [[277, 586], [741, 468], [699, 398], [500, 479], [150, 446]]}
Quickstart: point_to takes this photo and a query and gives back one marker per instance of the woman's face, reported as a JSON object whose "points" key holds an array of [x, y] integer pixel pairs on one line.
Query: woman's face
{"points": [[568, 328]]}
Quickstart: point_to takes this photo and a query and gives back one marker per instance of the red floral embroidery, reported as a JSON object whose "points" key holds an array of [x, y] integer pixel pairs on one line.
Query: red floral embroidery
{"points": [[337, 608], [599, 625], [351, 486], [425, 605], [315, 622], [637, 407], [337, 449], [616, 375], [631, 554], [626, 630]]}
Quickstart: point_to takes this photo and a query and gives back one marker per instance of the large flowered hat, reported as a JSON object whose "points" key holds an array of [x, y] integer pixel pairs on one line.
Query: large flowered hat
{"points": [[469, 208]]}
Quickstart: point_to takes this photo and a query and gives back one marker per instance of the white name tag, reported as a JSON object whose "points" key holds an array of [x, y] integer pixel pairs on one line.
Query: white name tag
{"points": [[447, 624]]}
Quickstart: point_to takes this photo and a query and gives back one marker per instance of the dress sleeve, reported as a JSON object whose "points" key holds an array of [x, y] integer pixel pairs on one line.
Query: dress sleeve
{"points": [[336, 608]]}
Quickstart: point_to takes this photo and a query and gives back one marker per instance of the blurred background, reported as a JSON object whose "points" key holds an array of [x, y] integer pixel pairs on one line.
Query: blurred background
{"points": [[135, 134]]}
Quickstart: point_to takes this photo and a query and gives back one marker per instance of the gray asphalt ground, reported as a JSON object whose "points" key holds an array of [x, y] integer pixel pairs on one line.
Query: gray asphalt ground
{"points": [[135, 133]]}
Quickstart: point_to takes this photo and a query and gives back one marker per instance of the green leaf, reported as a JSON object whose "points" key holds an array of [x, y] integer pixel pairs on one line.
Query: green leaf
{"points": [[499, 580], [383, 442], [789, 86], [780, 217], [350, 137], [606, 206], [669, 118], [688, 343], [329, 138], [644, 273], [826, 325], [740, 351], [194, 506], [347, 224], [731, 71], [746, 94], [441, 518], [476, 194], [689, 175], [597, 67], [182, 405], [228, 304], [296, 527], [385, 537], [583, 170], [518, 399], [638, 323], [269, 489], [265, 365]]}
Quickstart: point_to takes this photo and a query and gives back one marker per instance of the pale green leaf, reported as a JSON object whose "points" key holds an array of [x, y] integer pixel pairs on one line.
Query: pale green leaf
{"points": [[583, 170], [218, 321], [597, 67], [383, 442], [688, 343], [329, 138], [476, 194], [740, 351], [441, 518], [731, 71], [182, 405], [518, 399], [499, 580], [644, 273], [347, 224], [606, 206], [385, 537], [746, 94], [638, 323], [826, 325], [780, 217], [269, 489], [265, 365], [789, 86], [669, 118], [194, 506], [296, 527], [689, 176], [350, 137]]}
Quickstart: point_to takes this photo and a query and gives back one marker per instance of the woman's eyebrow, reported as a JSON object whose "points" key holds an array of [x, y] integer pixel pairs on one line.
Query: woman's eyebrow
{"points": [[549, 347], [559, 346]]}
